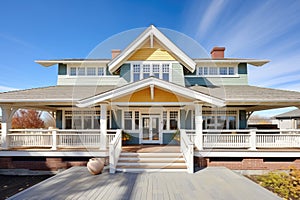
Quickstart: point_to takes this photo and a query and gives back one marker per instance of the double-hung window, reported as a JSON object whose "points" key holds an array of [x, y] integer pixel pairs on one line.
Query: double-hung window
{"points": [[136, 72], [146, 71], [165, 72]]}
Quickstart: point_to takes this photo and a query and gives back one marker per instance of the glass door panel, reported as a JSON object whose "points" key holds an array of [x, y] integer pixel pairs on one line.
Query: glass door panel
{"points": [[151, 129]]}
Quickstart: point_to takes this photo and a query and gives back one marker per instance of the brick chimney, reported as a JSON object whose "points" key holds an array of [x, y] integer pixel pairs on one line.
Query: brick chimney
{"points": [[115, 53], [217, 52]]}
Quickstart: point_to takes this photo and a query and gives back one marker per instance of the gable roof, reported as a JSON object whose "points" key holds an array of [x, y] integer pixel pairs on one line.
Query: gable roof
{"points": [[152, 32], [151, 82], [289, 115]]}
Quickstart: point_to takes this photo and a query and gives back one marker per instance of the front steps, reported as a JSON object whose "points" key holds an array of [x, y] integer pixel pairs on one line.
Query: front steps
{"points": [[158, 161]]}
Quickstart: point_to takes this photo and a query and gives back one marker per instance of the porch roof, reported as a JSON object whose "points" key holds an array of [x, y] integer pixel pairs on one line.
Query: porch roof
{"points": [[50, 96], [252, 97], [152, 82]]}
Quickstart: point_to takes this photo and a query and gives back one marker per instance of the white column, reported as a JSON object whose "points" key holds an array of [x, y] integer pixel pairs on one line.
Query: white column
{"points": [[103, 126], [199, 128], [7, 114]]}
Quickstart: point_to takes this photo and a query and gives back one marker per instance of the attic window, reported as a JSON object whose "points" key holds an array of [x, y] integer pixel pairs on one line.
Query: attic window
{"points": [[142, 70]]}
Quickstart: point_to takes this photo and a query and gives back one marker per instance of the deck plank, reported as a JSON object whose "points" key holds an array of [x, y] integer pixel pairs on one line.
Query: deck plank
{"points": [[210, 183]]}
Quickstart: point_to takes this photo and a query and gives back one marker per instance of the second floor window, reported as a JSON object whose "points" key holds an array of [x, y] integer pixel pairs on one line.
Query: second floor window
{"points": [[216, 71], [145, 70], [86, 71]]}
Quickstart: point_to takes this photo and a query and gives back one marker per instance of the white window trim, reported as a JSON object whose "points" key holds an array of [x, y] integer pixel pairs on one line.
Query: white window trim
{"points": [[235, 75], [69, 66], [141, 63], [93, 115]]}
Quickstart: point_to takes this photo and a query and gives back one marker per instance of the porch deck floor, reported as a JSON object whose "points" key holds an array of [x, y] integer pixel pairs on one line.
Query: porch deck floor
{"points": [[210, 183]]}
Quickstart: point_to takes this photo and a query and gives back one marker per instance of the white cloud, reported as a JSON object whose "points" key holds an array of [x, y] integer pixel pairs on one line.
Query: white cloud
{"points": [[5, 88], [211, 14]]}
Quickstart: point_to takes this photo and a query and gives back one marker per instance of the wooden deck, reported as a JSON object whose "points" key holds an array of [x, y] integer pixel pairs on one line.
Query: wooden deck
{"points": [[210, 183]]}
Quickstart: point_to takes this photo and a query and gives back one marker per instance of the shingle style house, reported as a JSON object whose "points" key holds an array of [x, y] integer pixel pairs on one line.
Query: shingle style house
{"points": [[150, 90]]}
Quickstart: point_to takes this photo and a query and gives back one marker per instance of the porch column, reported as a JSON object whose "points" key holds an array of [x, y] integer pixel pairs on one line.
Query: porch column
{"points": [[7, 114], [198, 124], [103, 126]]}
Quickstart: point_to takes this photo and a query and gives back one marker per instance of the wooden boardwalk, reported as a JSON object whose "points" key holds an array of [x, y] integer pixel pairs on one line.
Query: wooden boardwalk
{"points": [[210, 183]]}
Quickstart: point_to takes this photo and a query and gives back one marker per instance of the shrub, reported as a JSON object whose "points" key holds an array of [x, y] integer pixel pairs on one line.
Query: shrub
{"points": [[285, 184]]}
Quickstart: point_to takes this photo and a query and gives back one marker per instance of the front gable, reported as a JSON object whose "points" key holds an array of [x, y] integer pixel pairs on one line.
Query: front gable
{"points": [[153, 39], [152, 95]]}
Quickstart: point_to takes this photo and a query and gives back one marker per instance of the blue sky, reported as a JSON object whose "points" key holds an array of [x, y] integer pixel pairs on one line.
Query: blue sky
{"points": [[33, 29]]}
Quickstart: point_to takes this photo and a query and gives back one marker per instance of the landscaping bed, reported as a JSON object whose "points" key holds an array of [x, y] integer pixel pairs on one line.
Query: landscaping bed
{"points": [[285, 184], [12, 184]]}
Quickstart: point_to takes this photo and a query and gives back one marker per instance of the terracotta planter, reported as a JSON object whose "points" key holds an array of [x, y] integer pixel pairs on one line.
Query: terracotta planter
{"points": [[95, 166]]}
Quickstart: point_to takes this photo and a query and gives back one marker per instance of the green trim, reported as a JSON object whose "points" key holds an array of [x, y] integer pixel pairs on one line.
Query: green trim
{"points": [[242, 68], [59, 119], [125, 72], [62, 69]]}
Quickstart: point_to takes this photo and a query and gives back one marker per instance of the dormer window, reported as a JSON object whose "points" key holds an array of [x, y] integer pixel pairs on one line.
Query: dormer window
{"points": [[142, 70], [86, 71], [216, 71]]}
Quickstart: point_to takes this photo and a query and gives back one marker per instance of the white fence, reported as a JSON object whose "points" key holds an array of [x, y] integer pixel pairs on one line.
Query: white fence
{"points": [[23, 138]]}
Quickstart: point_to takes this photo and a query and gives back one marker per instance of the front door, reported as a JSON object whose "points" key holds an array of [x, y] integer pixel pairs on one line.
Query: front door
{"points": [[151, 129]]}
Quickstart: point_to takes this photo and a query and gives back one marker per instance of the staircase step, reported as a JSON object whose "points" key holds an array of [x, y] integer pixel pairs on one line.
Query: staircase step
{"points": [[160, 155], [153, 160], [152, 166], [138, 170]]}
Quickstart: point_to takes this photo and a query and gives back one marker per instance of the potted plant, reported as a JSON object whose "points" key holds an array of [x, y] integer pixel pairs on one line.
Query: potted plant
{"points": [[125, 137]]}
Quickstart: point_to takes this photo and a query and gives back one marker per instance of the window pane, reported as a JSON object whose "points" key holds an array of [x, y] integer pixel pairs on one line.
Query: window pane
{"points": [[205, 71], [200, 70], [231, 71], [136, 121], [100, 71], [232, 122], [155, 70], [68, 121], [77, 122], [213, 71], [136, 72], [81, 71], [165, 120], [128, 120], [73, 71], [87, 124], [223, 70], [146, 71], [96, 122], [173, 120], [91, 71]]}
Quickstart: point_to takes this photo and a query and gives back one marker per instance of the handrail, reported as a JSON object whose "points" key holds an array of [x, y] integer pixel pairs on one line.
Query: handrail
{"points": [[187, 149], [115, 148]]}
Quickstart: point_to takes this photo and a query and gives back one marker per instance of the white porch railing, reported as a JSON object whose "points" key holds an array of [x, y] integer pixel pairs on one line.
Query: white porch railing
{"points": [[29, 138], [251, 139], [25, 138], [187, 148], [115, 148]]}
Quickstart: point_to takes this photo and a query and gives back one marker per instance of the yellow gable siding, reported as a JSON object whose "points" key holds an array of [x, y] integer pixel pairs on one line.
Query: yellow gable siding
{"points": [[151, 54], [145, 96]]}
